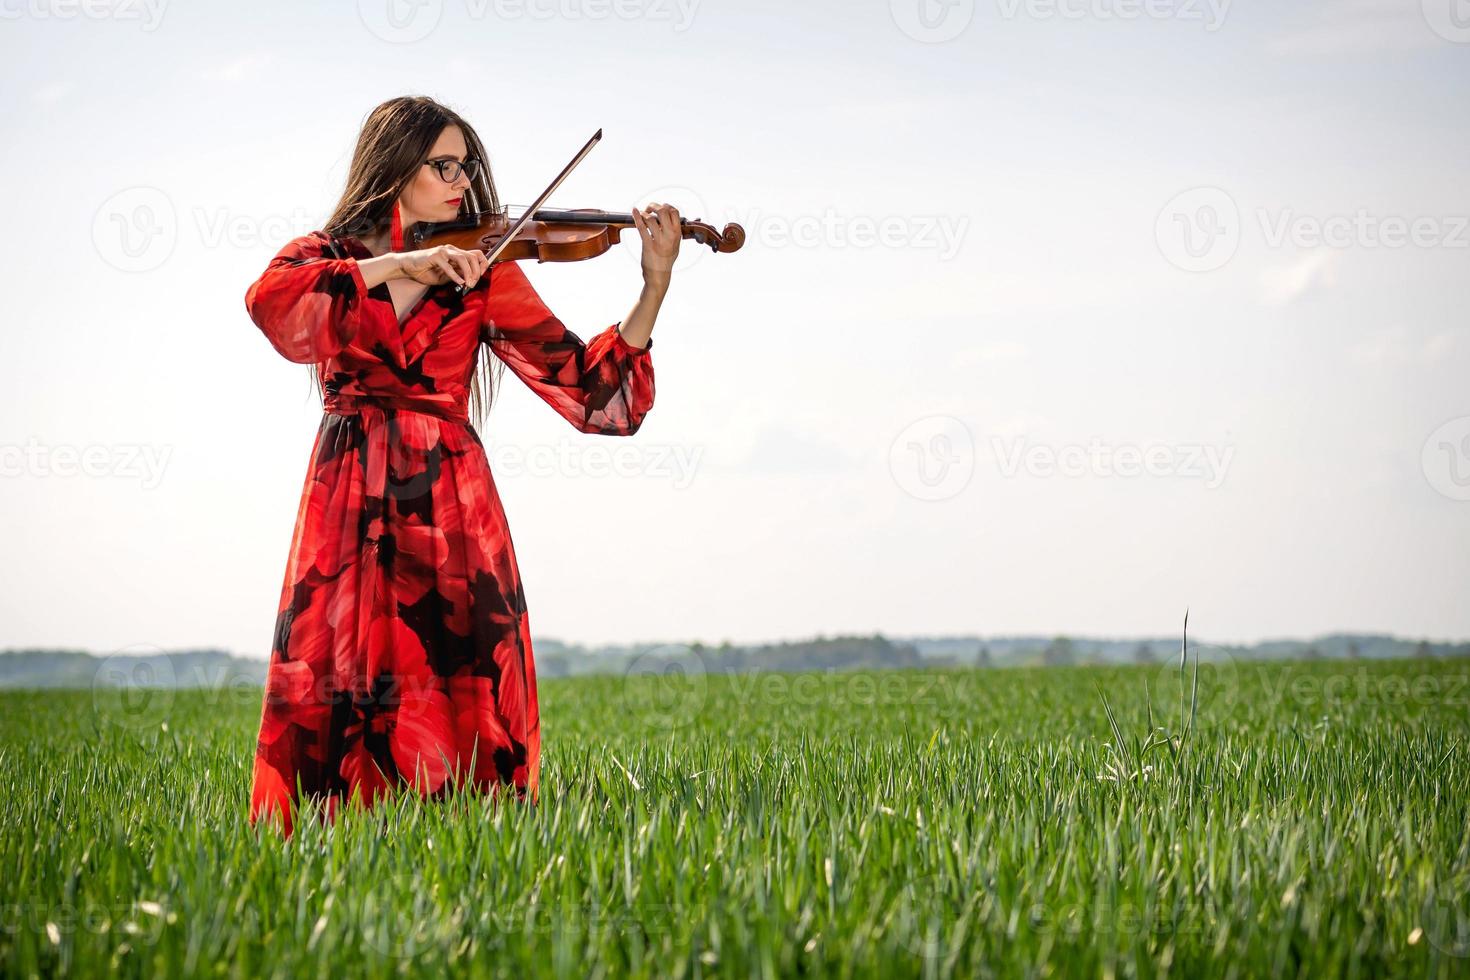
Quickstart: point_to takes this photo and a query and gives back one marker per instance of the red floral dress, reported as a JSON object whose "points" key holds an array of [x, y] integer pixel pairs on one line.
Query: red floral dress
{"points": [[402, 648]]}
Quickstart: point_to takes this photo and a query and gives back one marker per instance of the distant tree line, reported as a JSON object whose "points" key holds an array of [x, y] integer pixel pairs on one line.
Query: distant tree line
{"points": [[190, 668]]}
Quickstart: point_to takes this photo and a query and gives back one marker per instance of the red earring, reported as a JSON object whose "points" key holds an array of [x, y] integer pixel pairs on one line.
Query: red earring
{"points": [[396, 230]]}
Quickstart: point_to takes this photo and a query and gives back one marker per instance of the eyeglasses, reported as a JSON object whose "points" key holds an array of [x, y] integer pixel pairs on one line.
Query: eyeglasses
{"points": [[449, 170]]}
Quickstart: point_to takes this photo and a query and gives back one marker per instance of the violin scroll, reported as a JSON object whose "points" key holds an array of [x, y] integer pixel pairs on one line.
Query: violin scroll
{"points": [[729, 240]]}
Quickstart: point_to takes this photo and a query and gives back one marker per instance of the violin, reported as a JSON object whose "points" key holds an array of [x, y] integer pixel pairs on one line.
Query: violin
{"points": [[551, 235], [554, 235]]}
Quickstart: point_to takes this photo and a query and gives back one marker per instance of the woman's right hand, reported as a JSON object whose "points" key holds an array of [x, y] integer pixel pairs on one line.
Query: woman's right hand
{"points": [[442, 263]]}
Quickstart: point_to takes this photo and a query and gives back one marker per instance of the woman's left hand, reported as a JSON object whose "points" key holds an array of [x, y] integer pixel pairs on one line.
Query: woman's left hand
{"points": [[658, 227]]}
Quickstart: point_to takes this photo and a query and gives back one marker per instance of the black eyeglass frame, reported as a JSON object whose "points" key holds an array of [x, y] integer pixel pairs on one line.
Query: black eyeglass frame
{"points": [[470, 167]]}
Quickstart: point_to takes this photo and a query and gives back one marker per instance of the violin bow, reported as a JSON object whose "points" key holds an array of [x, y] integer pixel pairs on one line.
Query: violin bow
{"points": [[510, 235]]}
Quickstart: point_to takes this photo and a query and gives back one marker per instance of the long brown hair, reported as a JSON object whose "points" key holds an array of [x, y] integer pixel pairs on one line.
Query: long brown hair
{"points": [[395, 140]]}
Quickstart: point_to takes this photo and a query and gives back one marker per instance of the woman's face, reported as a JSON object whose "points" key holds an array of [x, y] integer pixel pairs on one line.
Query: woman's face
{"points": [[430, 197]]}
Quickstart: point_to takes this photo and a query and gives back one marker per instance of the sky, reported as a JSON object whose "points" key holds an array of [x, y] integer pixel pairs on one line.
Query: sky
{"points": [[1054, 316]]}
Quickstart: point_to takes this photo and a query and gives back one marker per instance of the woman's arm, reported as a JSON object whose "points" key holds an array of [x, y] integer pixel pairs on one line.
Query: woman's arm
{"points": [[307, 302], [660, 233], [431, 266], [603, 386], [380, 268], [637, 328]]}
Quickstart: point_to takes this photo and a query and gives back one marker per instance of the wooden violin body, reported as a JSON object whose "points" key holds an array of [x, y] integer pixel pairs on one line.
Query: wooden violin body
{"points": [[556, 235]]}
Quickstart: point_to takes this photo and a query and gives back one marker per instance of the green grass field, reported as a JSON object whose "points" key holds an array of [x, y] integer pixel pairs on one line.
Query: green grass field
{"points": [[1312, 823]]}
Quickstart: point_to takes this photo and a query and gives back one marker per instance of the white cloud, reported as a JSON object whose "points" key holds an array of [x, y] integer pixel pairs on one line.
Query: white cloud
{"points": [[1286, 284]]}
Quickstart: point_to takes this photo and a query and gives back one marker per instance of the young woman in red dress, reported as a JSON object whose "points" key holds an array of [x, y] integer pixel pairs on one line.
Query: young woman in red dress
{"points": [[402, 648]]}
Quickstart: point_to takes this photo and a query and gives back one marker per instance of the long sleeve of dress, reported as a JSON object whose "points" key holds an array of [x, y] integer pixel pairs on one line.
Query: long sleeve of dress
{"points": [[604, 386], [308, 303]]}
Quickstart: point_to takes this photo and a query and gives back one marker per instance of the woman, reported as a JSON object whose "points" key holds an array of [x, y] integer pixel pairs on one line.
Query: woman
{"points": [[402, 650]]}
